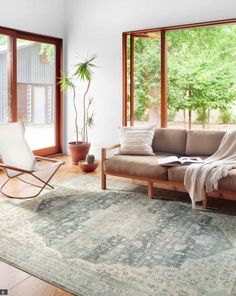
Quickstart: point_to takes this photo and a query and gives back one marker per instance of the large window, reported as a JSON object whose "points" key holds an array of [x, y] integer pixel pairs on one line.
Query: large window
{"points": [[188, 73], [29, 68]]}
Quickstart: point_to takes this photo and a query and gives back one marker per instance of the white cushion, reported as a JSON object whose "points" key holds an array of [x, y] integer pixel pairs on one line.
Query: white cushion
{"points": [[136, 140], [14, 149]]}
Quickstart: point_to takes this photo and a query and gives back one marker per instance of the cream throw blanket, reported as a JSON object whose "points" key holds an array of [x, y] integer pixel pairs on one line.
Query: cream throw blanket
{"points": [[205, 176]]}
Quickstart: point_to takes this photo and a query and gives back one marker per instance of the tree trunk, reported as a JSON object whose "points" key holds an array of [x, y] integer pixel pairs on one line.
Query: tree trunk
{"points": [[189, 119], [208, 119], [184, 119], [204, 118]]}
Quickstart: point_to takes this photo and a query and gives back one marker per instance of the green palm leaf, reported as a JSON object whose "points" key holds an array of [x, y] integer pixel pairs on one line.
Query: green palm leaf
{"points": [[66, 82], [83, 70]]}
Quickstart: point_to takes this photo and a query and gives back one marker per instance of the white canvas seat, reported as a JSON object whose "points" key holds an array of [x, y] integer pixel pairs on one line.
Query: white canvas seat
{"points": [[18, 159]]}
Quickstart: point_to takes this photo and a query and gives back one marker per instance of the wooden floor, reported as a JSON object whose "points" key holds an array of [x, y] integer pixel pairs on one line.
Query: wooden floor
{"points": [[18, 282]]}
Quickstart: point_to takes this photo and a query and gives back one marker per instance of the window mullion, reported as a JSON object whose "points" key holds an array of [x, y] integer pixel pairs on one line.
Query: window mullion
{"points": [[131, 80], [12, 74], [164, 79], [124, 69]]}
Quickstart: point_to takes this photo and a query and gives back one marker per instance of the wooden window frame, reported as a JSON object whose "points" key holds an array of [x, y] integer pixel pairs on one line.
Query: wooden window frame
{"points": [[14, 34], [163, 67]]}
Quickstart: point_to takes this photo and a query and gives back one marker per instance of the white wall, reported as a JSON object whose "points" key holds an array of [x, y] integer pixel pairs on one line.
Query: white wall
{"points": [[44, 17], [96, 27]]}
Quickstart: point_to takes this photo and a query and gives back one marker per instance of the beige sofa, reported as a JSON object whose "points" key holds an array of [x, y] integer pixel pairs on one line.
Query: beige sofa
{"points": [[168, 142]]}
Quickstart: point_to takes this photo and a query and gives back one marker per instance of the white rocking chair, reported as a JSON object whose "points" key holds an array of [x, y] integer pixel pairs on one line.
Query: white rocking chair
{"points": [[18, 159]]}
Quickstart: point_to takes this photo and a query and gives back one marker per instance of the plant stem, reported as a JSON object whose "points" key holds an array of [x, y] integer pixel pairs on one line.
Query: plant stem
{"points": [[86, 135], [76, 117], [84, 107], [87, 116]]}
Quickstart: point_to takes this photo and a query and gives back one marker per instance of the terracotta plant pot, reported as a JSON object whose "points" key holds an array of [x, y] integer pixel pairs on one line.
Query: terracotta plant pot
{"points": [[78, 151], [88, 167]]}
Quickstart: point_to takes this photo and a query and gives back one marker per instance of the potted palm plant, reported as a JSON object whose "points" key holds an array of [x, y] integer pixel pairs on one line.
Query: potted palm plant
{"points": [[82, 73]]}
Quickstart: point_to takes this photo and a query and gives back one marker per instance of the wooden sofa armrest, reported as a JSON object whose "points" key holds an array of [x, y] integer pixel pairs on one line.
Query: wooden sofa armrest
{"points": [[112, 147], [106, 149], [103, 159]]}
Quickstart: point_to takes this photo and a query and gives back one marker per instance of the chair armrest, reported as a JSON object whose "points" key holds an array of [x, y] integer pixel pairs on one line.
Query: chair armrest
{"points": [[50, 159], [9, 167]]}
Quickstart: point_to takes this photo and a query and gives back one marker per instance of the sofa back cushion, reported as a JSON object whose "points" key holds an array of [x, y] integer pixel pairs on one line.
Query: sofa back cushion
{"points": [[203, 142], [170, 141]]}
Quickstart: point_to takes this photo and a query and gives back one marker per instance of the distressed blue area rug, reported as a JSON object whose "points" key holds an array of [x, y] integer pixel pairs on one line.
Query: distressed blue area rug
{"points": [[117, 242]]}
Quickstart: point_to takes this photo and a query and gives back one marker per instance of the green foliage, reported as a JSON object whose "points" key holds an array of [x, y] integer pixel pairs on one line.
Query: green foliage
{"points": [[83, 70], [200, 116], [90, 116], [226, 116], [66, 83], [171, 115], [201, 70], [147, 77], [90, 158], [3, 39], [49, 51]]}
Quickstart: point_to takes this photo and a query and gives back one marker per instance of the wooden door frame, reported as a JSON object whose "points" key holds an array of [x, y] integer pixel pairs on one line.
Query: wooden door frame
{"points": [[132, 102], [163, 65], [14, 34]]}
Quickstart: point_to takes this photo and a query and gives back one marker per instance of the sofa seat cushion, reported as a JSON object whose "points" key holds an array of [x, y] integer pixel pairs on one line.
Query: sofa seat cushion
{"points": [[138, 166], [228, 183], [176, 174]]}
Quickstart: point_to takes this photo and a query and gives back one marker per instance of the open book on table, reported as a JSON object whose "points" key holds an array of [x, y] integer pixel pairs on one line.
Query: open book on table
{"points": [[176, 161]]}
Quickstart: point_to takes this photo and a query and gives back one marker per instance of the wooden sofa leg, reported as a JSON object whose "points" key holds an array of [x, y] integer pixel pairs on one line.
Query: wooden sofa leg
{"points": [[150, 189], [204, 202], [104, 181], [103, 171]]}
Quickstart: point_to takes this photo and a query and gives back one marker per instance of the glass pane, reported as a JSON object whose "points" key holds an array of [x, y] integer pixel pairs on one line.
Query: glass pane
{"points": [[202, 77], [146, 78], [36, 92], [5, 113]]}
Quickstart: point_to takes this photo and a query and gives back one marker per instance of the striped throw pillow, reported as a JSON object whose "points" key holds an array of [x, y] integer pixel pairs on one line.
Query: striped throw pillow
{"points": [[136, 140]]}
